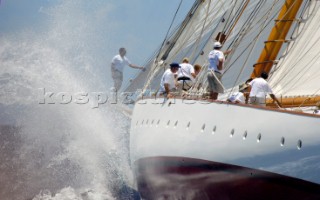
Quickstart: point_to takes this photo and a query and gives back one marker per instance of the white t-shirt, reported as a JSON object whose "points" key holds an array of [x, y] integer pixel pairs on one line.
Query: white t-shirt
{"points": [[167, 77], [237, 96], [119, 62], [186, 70], [260, 88], [214, 57]]}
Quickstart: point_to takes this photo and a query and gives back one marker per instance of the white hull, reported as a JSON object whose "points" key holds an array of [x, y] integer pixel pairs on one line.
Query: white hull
{"points": [[241, 135]]}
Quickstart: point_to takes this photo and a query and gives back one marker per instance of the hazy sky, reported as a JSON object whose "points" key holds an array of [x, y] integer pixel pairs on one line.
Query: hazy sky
{"points": [[96, 28], [139, 25]]}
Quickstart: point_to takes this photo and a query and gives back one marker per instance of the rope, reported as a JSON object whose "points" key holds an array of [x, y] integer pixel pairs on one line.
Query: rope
{"points": [[251, 50], [202, 29], [165, 38], [297, 60], [243, 32]]}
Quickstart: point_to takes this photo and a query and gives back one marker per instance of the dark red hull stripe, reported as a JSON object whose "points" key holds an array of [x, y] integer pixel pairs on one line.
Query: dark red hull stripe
{"points": [[186, 178]]}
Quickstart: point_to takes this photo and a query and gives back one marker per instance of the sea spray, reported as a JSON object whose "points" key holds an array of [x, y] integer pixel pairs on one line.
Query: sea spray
{"points": [[59, 151]]}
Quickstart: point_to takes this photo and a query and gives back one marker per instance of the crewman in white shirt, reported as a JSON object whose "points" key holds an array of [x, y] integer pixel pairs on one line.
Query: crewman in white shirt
{"points": [[118, 62], [260, 89], [168, 82]]}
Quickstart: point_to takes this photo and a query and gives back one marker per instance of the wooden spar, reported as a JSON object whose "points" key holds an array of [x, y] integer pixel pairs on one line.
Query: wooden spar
{"points": [[277, 37], [289, 102]]}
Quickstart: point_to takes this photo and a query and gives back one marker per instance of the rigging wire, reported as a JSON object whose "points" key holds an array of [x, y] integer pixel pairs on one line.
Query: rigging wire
{"points": [[166, 36], [297, 59], [175, 36], [236, 17], [186, 39], [227, 22], [202, 30], [254, 44], [226, 26], [208, 25], [255, 10], [246, 25], [245, 29], [168, 31], [293, 82], [271, 19]]}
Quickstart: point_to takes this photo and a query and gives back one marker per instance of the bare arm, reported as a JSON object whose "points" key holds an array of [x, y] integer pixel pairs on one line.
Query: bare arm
{"points": [[275, 99], [220, 64], [136, 66], [227, 52]]}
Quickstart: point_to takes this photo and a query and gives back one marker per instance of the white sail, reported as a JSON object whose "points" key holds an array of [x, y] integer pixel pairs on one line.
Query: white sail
{"points": [[298, 71], [245, 31]]}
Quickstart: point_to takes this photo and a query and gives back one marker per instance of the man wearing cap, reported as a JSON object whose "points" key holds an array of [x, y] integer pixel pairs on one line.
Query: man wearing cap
{"points": [[118, 62], [260, 89], [215, 71], [168, 82]]}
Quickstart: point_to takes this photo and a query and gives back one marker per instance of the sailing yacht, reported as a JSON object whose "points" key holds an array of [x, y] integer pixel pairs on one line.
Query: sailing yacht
{"points": [[189, 147]]}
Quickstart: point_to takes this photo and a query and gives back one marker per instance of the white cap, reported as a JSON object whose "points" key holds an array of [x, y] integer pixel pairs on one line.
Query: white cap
{"points": [[217, 45]]}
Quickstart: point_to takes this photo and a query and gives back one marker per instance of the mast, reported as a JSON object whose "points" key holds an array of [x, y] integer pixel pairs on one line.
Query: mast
{"points": [[277, 37]]}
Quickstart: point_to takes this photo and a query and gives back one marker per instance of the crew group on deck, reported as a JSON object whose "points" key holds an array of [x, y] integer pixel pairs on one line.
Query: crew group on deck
{"points": [[181, 77]]}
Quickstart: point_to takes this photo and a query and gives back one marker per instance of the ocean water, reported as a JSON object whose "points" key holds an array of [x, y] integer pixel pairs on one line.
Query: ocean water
{"points": [[61, 136]]}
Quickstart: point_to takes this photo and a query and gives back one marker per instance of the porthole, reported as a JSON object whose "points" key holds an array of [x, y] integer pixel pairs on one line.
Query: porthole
{"points": [[299, 145], [245, 134], [158, 123], [214, 130], [203, 127], [147, 122], [232, 133], [175, 124], [137, 122], [142, 123], [188, 126], [282, 141], [259, 138], [168, 123]]}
